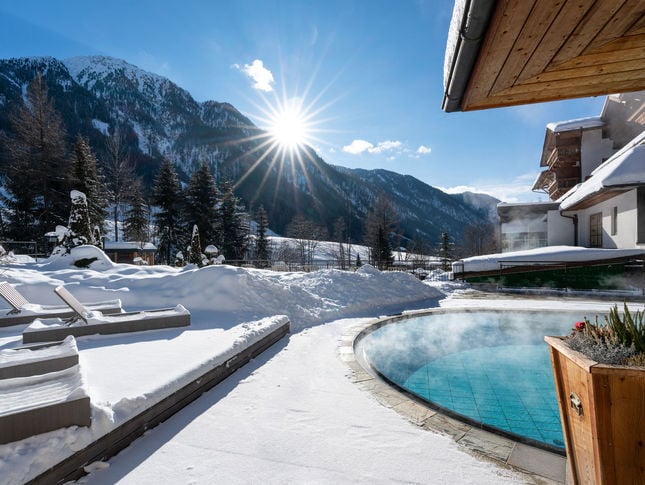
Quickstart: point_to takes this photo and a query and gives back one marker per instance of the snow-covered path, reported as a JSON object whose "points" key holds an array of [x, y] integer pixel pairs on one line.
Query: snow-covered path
{"points": [[293, 416]]}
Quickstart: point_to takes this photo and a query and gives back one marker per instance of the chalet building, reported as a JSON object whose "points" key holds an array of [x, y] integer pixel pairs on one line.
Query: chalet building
{"points": [[594, 174], [130, 252]]}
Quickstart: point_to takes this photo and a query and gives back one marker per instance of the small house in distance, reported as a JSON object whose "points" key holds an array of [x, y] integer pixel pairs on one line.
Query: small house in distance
{"points": [[130, 251]]}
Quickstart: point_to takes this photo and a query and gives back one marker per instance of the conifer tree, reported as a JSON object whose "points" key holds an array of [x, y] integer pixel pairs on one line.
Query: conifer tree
{"points": [[38, 177], [232, 242], [135, 226], [21, 202], [87, 178], [200, 201], [262, 243], [195, 248], [79, 231], [380, 223], [166, 196]]}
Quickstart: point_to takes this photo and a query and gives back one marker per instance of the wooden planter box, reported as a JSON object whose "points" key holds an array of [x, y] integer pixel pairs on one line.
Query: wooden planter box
{"points": [[602, 409]]}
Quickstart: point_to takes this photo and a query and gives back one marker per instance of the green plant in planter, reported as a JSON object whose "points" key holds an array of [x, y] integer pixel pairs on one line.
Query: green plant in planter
{"points": [[620, 340]]}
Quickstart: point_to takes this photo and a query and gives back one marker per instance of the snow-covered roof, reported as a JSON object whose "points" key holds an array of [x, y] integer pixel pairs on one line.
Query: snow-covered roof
{"points": [[129, 245], [577, 124], [545, 255], [625, 169]]}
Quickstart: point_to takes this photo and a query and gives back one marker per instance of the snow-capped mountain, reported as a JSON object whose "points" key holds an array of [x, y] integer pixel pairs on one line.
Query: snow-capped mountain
{"points": [[97, 94]]}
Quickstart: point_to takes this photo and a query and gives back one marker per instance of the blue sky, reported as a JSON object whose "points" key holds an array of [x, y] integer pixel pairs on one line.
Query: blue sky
{"points": [[369, 73]]}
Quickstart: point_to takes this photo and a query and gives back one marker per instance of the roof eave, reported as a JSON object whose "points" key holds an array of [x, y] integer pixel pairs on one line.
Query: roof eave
{"points": [[473, 28]]}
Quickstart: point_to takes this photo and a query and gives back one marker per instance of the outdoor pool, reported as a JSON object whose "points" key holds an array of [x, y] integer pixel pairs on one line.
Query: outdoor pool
{"points": [[491, 369]]}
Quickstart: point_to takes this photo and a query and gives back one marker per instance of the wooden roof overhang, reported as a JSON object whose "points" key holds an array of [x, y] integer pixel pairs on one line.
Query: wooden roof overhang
{"points": [[512, 52]]}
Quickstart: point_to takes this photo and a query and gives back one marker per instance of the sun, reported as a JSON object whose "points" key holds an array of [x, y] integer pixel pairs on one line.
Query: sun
{"points": [[289, 127]]}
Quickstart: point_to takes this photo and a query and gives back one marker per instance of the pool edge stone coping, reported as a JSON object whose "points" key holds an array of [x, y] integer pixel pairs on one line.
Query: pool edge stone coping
{"points": [[538, 466]]}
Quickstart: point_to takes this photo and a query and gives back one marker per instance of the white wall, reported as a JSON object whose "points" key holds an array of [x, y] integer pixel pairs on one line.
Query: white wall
{"points": [[627, 223], [593, 150], [560, 229]]}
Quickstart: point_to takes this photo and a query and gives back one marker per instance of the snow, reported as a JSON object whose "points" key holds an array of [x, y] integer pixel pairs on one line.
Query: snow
{"points": [[625, 169], [11, 357], [453, 39], [23, 393], [129, 245], [101, 126], [291, 415], [550, 254], [577, 124]]}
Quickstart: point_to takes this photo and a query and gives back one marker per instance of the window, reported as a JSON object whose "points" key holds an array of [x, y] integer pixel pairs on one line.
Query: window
{"points": [[595, 230], [614, 221]]}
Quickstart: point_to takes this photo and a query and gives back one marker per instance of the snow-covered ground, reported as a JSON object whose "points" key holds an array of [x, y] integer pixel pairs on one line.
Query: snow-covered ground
{"points": [[291, 416]]}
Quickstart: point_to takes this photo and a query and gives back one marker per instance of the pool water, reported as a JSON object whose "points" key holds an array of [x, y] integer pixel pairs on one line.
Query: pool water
{"points": [[489, 368]]}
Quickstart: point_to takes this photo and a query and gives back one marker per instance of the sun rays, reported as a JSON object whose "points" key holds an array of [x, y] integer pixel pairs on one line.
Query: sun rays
{"points": [[289, 132]]}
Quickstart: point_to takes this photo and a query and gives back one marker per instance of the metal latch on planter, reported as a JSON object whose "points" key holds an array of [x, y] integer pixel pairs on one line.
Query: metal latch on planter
{"points": [[576, 403]]}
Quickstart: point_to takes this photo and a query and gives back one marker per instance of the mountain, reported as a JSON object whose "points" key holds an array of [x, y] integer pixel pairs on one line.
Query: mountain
{"points": [[160, 120]]}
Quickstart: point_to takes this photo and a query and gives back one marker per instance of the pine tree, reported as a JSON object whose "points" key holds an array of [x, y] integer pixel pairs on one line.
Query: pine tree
{"points": [[445, 251], [262, 243], [380, 224], [79, 231], [195, 248], [21, 203], [135, 226], [87, 178], [200, 201], [166, 196], [38, 187], [232, 242]]}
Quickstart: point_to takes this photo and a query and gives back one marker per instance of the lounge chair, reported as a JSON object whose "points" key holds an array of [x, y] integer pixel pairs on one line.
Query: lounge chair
{"points": [[44, 402], [85, 321], [38, 359], [24, 312]]}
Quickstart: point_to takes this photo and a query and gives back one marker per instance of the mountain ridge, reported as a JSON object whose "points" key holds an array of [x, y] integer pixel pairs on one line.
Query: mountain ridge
{"points": [[95, 94]]}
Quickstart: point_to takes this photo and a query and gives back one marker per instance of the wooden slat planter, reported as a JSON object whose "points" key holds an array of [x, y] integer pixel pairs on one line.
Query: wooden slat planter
{"points": [[602, 408]]}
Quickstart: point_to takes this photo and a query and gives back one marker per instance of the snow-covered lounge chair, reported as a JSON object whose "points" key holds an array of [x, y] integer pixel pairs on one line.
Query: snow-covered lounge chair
{"points": [[38, 359], [24, 312], [39, 403], [87, 322]]}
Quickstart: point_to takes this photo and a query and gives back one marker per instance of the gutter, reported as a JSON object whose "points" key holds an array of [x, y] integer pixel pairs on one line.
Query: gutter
{"points": [[574, 218], [473, 28]]}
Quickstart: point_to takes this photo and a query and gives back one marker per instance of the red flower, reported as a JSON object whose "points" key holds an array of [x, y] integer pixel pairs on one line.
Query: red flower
{"points": [[580, 325]]}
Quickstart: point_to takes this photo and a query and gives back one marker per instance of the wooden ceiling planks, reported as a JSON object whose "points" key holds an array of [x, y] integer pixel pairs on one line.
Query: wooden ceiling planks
{"points": [[532, 33], [545, 50], [619, 24], [586, 30], [568, 18], [505, 27]]}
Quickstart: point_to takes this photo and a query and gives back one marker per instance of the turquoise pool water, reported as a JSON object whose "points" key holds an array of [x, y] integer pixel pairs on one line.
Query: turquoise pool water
{"points": [[491, 369]]}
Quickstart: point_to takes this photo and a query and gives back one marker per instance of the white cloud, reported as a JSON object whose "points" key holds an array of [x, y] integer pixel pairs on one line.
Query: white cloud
{"points": [[357, 146], [361, 146], [261, 76], [423, 150], [385, 146], [516, 190]]}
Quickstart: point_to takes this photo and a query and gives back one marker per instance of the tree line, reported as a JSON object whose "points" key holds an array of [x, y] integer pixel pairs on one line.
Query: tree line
{"points": [[43, 170]]}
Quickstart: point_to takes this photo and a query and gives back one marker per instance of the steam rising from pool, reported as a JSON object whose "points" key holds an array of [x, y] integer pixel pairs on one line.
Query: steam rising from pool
{"points": [[489, 367]]}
